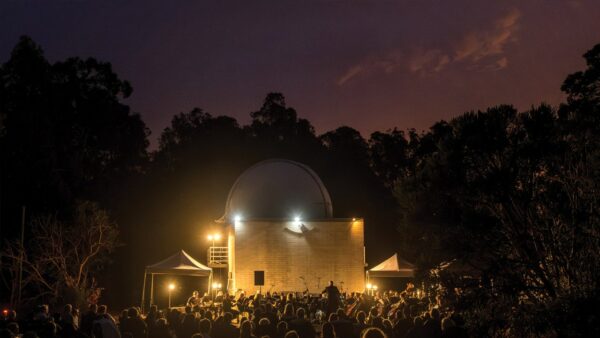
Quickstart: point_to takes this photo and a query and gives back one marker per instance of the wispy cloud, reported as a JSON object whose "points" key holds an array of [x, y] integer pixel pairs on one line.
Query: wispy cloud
{"points": [[478, 45], [482, 50]]}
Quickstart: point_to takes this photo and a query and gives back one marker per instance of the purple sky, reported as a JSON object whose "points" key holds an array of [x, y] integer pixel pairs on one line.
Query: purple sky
{"points": [[372, 65]]}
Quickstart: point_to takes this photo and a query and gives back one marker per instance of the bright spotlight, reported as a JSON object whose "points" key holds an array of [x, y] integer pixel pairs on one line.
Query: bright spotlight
{"points": [[215, 285], [297, 219], [369, 286], [171, 286], [237, 218], [210, 237], [374, 287], [217, 237]]}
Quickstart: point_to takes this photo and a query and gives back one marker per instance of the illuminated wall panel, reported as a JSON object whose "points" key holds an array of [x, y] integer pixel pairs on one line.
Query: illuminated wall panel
{"points": [[298, 255]]}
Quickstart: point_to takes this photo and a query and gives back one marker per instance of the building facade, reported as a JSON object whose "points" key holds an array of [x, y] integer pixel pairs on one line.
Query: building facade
{"points": [[280, 226]]}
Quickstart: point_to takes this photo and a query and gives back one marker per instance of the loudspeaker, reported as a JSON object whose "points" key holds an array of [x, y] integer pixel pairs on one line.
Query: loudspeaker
{"points": [[259, 278]]}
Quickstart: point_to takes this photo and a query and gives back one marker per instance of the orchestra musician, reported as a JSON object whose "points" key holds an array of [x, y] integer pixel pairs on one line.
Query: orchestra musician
{"points": [[194, 300]]}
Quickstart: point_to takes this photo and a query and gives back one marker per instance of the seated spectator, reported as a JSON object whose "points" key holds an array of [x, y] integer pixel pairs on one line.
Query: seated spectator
{"points": [[432, 326], [417, 330], [282, 329], [291, 334], [373, 332], [342, 326], [301, 325], [327, 330], [403, 322], [288, 313], [161, 329], [246, 330], [450, 330], [204, 326], [264, 328], [188, 326]]}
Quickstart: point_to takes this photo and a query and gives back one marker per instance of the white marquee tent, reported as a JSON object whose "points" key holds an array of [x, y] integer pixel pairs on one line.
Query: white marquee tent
{"points": [[392, 267], [181, 264]]}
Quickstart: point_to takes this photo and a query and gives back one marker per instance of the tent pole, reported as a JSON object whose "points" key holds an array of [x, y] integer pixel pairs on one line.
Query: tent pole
{"points": [[209, 282], [151, 289], [143, 291]]}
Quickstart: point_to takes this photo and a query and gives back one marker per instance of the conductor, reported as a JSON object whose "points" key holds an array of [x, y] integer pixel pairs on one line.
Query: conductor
{"points": [[333, 298]]}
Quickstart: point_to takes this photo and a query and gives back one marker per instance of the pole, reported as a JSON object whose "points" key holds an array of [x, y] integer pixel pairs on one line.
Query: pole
{"points": [[170, 298], [143, 292], [21, 254], [151, 289]]}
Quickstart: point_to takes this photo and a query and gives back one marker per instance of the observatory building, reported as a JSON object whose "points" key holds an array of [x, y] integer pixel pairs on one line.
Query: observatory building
{"points": [[281, 234]]}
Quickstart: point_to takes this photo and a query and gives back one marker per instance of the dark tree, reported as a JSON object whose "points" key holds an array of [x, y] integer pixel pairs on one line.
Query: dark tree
{"points": [[66, 134]]}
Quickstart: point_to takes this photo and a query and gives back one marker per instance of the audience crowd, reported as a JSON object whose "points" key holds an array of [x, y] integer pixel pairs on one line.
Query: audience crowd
{"points": [[388, 314]]}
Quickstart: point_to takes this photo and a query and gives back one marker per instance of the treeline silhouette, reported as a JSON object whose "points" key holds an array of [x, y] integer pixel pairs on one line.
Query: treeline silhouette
{"points": [[510, 195]]}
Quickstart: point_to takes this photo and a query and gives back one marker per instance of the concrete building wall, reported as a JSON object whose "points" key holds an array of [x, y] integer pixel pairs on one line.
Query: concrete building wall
{"points": [[297, 256]]}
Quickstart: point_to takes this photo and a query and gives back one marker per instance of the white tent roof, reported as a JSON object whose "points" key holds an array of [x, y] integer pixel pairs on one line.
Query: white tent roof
{"points": [[393, 267], [180, 263]]}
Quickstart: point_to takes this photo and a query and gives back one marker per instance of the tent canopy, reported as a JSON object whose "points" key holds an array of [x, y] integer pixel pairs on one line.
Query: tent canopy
{"points": [[180, 263], [393, 267]]}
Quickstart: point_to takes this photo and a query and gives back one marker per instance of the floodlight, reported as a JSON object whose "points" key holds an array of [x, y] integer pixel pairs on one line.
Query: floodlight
{"points": [[171, 286]]}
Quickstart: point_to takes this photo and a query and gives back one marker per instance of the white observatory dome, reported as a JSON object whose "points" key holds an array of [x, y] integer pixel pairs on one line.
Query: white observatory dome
{"points": [[278, 189]]}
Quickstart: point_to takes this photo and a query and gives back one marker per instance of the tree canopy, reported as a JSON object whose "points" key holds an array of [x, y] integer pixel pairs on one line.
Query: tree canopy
{"points": [[511, 195]]}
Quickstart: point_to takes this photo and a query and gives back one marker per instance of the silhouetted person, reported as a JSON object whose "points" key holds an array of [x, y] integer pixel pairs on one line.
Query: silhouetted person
{"points": [[194, 299], [333, 297], [361, 323], [104, 326], [433, 325], [373, 332], [87, 319], [343, 327], [327, 331], [403, 323], [282, 329], [160, 329], [151, 318], [451, 330], [188, 326], [301, 325], [204, 327], [246, 330]]}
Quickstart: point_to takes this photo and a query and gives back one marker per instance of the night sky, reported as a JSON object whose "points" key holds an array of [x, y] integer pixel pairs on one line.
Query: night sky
{"points": [[372, 65]]}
